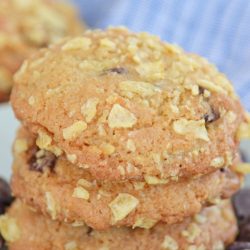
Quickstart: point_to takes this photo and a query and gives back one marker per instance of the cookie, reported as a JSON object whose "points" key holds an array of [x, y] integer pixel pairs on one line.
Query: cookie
{"points": [[67, 193], [26, 229], [113, 100], [26, 26]]}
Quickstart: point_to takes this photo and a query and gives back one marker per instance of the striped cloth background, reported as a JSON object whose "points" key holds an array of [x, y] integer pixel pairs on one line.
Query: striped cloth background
{"points": [[216, 29]]}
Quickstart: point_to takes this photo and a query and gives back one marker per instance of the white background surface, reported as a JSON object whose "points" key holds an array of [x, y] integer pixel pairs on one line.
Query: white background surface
{"points": [[8, 127]]}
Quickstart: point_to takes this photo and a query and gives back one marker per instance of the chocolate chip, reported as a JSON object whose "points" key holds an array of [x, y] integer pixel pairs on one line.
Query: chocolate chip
{"points": [[239, 246], [89, 230], [5, 201], [5, 195], [244, 234], [1, 243], [241, 202], [212, 116], [118, 70], [41, 159], [201, 90]]}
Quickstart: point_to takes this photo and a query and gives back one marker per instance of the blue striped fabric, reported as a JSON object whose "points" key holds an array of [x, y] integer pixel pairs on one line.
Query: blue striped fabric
{"points": [[216, 29]]}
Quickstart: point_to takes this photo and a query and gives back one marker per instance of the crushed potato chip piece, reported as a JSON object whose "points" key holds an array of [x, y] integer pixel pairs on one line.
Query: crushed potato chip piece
{"points": [[243, 168], [81, 193], [122, 205], [120, 117], [153, 180], [196, 129], [143, 89], [51, 205], [211, 86], [84, 183], [217, 162], [70, 246], [73, 131], [139, 185], [107, 148], [243, 131], [77, 43], [192, 232], [43, 140], [72, 158], [20, 146], [9, 228], [130, 145], [144, 223], [169, 243], [89, 109]]}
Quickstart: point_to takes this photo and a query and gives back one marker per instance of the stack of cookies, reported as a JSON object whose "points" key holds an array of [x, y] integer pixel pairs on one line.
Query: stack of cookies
{"points": [[126, 142], [25, 26]]}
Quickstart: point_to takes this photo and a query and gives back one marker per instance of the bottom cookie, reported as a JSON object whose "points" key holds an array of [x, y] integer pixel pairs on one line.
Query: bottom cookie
{"points": [[212, 229]]}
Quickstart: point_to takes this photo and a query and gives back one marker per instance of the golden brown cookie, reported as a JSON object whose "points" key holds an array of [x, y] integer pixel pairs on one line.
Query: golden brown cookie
{"points": [[54, 186], [212, 229], [125, 104], [27, 25]]}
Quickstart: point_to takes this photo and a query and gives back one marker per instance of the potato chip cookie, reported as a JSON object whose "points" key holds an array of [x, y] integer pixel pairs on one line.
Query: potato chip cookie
{"points": [[66, 193], [27, 25], [213, 229], [124, 105]]}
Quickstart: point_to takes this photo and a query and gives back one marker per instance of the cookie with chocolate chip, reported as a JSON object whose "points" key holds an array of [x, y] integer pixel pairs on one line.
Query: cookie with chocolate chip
{"points": [[213, 228], [124, 105], [55, 187], [26, 26]]}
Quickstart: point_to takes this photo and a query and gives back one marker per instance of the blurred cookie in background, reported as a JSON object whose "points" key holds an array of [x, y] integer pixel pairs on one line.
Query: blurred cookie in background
{"points": [[26, 26]]}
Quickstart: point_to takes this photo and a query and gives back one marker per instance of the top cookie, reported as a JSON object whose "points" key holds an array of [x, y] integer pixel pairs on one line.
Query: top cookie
{"points": [[26, 25], [125, 104]]}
